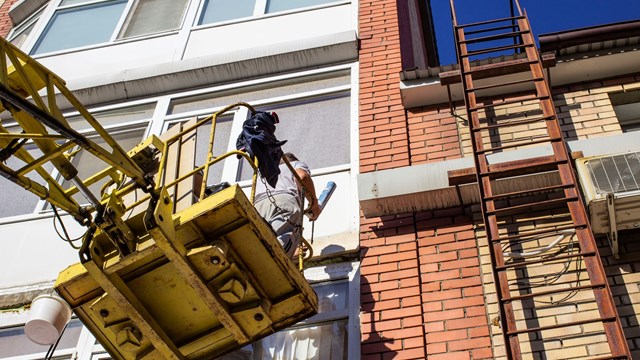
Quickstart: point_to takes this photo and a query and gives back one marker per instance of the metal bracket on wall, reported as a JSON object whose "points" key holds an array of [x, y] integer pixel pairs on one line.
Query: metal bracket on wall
{"points": [[613, 228]]}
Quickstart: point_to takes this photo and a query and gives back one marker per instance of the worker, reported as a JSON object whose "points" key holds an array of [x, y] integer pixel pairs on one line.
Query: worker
{"points": [[280, 205]]}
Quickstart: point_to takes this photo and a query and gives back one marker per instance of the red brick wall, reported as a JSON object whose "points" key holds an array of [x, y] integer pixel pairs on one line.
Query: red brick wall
{"points": [[383, 123], [421, 293], [453, 300], [5, 20]]}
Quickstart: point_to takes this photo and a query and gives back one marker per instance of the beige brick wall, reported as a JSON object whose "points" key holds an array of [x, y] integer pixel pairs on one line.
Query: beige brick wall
{"points": [[575, 342], [584, 111]]}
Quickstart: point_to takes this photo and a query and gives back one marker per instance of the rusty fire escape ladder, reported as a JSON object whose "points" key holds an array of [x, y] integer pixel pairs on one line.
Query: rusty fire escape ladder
{"points": [[567, 191]]}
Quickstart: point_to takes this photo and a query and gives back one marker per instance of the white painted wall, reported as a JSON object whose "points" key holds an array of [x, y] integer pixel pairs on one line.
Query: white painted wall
{"points": [[31, 252], [269, 31], [113, 58]]}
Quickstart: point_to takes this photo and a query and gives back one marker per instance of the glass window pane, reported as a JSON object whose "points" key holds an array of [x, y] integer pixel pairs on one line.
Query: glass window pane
{"points": [[220, 144], [80, 26], [326, 340], [14, 342], [115, 116], [20, 32], [265, 91], [73, 2], [152, 16], [19, 37], [221, 10], [15, 199], [88, 165], [282, 5], [318, 123]]}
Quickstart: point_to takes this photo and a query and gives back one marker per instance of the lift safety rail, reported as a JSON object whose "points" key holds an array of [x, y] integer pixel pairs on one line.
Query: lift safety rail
{"points": [[165, 271]]}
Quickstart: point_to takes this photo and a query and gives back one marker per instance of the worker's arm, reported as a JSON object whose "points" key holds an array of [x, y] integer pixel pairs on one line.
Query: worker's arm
{"points": [[310, 194]]}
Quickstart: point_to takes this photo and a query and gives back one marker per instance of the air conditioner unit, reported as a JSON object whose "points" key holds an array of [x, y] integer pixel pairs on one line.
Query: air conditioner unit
{"points": [[611, 186]]}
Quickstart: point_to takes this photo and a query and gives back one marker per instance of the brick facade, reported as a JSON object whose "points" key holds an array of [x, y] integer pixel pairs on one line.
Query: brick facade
{"points": [[427, 288], [421, 293], [5, 21]]}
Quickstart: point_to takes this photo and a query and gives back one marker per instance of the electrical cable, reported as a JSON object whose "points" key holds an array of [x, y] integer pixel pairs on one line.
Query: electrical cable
{"points": [[557, 276], [66, 236], [54, 346]]}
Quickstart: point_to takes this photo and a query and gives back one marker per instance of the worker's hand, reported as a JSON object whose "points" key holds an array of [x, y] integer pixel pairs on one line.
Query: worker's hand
{"points": [[314, 211]]}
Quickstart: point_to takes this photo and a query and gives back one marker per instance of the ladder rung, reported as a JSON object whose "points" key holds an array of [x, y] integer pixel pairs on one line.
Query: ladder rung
{"points": [[508, 102], [551, 292], [513, 123], [494, 49], [498, 172], [524, 192], [557, 326], [520, 143], [494, 37], [539, 261], [548, 231], [472, 32], [490, 21], [516, 82], [529, 205]]}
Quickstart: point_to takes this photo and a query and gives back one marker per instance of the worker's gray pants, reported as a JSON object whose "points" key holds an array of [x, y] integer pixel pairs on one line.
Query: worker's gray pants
{"points": [[284, 217]]}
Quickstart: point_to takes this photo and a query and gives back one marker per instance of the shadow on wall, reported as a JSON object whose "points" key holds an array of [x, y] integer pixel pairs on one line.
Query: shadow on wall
{"points": [[374, 343], [377, 343], [626, 291]]}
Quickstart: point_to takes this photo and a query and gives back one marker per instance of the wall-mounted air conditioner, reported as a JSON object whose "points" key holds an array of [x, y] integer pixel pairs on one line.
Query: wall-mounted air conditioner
{"points": [[611, 186]]}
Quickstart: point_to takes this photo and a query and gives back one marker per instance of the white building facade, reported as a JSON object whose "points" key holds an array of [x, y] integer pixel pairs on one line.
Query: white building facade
{"points": [[141, 66]]}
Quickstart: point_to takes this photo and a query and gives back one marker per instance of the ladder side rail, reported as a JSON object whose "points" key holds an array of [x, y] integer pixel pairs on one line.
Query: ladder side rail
{"points": [[484, 182], [594, 266]]}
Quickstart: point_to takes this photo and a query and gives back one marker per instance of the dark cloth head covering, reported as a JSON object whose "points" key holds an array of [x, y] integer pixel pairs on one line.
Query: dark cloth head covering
{"points": [[257, 138]]}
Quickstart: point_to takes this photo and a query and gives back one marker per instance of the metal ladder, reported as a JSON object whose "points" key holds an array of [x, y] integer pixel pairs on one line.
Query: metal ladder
{"points": [[549, 278]]}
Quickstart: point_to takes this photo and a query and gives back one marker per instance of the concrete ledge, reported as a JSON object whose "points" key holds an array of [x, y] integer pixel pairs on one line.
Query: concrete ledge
{"points": [[426, 187], [216, 69]]}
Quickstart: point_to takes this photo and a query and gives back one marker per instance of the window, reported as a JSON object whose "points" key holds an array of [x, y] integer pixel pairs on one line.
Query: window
{"points": [[283, 5], [627, 108], [220, 145], [16, 200], [316, 129], [331, 334], [152, 16], [314, 112], [80, 25], [19, 33], [222, 10], [87, 164], [14, 342]]}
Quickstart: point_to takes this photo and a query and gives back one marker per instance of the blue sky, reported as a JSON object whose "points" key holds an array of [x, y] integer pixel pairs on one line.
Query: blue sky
{"points": [[546, 16]]}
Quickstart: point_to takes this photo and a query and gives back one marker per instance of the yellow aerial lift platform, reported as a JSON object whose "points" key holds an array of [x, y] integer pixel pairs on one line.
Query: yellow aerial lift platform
{"points": [[165, 272]]}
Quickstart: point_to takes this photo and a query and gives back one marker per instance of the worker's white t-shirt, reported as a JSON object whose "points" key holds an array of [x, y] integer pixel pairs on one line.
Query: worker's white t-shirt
{"points": [[286, 182]]}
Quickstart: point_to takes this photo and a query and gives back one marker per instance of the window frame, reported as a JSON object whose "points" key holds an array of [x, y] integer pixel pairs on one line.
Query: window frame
{"points": [[232, 172], [30, 22], [21, 320], [162, 115], [259, 12], [626, 106], [114, 38]]}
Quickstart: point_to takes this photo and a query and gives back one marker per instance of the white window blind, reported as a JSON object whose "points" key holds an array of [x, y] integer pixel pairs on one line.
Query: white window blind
{"points": [[152, 16]]}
